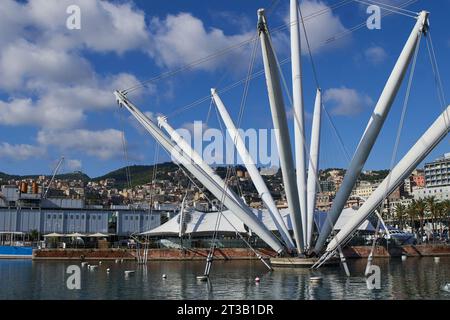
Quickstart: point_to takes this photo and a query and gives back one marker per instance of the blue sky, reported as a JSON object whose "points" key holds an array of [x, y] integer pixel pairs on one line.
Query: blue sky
{"points": [[56, 84]]}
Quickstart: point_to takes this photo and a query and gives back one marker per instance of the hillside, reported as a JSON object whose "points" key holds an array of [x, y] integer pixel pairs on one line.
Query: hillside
{"points": [[139, 174]]}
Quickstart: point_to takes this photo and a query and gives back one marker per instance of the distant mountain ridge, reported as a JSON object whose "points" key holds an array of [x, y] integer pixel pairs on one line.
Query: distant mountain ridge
{"points": [[140, 174]]}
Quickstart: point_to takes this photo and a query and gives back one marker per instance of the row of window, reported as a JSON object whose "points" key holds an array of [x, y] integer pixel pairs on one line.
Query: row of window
{"points": [[76, 217], [137, 218]]}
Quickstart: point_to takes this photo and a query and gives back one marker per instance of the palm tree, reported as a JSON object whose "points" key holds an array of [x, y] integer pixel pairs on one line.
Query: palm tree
{"points": [[400, 211], [420, 207], [446, 210], [412, 213], [432, 208]]}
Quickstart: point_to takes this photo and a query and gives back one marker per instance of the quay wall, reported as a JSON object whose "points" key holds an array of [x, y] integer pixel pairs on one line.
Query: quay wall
{"points": [[353, 252]]}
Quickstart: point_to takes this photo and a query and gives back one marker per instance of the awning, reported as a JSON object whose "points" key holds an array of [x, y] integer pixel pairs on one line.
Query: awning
{"points": [[54, 235], [75, 235], [98, 235]]}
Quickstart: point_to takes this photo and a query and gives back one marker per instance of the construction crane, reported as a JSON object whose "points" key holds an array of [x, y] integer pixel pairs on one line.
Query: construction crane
{"points": [[55, 172]]}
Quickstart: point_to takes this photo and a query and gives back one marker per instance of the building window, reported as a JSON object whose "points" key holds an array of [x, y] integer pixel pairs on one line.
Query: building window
{"points": [[78, 217], [49, 216], [93, 217], [126, 217]]}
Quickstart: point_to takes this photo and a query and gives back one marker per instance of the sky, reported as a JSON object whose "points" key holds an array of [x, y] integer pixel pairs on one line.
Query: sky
{"points": [[56, 83]]}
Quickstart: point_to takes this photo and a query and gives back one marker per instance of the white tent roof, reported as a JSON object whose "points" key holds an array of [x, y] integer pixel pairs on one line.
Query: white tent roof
{"points": [[201, 222]]}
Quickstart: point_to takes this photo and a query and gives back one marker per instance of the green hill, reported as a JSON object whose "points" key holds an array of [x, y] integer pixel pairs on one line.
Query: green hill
{"points": [[139, 174]]}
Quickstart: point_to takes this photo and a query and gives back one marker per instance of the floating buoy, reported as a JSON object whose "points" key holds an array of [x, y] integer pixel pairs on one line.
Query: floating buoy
{"points": [[84, 264], [404, 258], [108, 270], [121, 260], [164, 276], [202, 278], [437, 259], [315, 279], [446, 287], [117, 261], [129, 273], [99, 262], [257, 280]]}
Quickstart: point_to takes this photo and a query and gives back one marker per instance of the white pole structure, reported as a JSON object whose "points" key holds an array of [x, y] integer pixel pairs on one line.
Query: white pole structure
{"points": [[313, 168], [281, 129], [196, 158], [249, 163], [55, 172], [426, 143], [299, 115], [373, 128], [244, 214]]}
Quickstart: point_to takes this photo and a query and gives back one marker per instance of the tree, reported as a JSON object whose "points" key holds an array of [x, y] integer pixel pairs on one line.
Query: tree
{"points": [[400, 211], [432, 208], [420, 207], [412, 214]]}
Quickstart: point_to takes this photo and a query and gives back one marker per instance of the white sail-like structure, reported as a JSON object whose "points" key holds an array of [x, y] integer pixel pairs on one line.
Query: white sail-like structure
{"points": [[299, 115], [253, 171], [281, 128], [242, 212], [313, 168], [373, 127], [435, 133]]}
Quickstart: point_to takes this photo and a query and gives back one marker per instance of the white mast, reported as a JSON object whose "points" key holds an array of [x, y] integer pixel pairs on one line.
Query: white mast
{"points": [[298, 107], [55, 172], [435, 133], [249, 163], [196, 158], [373, 128], [281, 129], [313, 168], [244, 214]]}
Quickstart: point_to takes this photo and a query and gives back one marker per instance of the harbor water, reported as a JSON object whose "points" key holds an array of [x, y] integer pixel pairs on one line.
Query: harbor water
{"points": [[414, 278]]}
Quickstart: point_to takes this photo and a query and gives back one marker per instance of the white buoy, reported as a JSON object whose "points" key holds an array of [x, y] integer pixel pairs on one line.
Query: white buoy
{"points": [[404, 257], [117, 261], [202, 278], [257, 280], [437, 259], [129, 273], [121, 260], [108, 270], [99, 262], [164, 276], [84, 264]]}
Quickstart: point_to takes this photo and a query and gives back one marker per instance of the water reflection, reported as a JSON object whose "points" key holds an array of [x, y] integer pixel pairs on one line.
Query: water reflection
{"points": [[415, 278]]}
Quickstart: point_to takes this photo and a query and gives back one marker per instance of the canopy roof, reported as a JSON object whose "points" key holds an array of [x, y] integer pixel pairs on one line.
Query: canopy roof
{"points": [[98, 235], [198, 223], [54, 235]]}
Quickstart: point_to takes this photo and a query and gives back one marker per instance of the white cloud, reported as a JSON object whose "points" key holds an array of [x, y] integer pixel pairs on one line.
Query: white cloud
{"points": [[74, 164], [173, 48], [60, 107], [321, 28], [105, 26], [375, 54], [21, 61], [20, 151], [104, 144], [346, 102]]}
